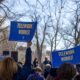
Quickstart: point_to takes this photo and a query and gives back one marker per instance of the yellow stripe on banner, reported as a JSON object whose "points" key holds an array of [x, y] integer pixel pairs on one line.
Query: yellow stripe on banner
{"points": [[24, 32]]}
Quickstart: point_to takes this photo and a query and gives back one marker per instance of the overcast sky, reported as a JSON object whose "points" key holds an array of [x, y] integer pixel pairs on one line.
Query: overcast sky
{"points": [[21, 7]]}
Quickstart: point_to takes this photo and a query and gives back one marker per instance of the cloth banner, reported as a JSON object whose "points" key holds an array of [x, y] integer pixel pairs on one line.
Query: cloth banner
{"points": [[22, 31], [70, 55]]}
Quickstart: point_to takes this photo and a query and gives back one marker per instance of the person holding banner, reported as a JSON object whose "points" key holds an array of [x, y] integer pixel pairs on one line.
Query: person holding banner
{"points": [[9, 70], [26, 69]]}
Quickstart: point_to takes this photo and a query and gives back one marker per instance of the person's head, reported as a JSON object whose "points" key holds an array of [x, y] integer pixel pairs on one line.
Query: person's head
{"points": [[47, 67], [36, 59], [66, 71], [8, 69], [38, 70], [46, 58]]}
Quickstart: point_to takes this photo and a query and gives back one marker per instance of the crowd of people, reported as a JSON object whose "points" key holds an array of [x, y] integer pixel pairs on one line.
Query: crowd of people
{"points": [[11, 70]]}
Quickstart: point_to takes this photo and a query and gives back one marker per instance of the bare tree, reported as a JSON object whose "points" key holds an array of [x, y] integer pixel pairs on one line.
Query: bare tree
{"points": [[42, 26], [73, 35], [1, 1], [7, 14], [54, 36]]}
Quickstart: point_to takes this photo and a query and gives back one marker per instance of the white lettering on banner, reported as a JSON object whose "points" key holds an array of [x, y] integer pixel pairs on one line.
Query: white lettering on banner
{"points": [[67, 58], [66, 53]]}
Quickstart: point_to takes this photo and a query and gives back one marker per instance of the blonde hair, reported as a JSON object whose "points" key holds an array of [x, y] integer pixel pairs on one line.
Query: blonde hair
{"points": [[8, 69], [38, 69]]}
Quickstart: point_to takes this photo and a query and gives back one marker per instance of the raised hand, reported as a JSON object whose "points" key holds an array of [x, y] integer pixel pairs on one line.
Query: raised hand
{"points": [[29, 44]]}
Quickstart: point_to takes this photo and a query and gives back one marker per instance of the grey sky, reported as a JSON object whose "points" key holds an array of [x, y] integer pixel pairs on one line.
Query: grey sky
{"points": [[21, 7]]}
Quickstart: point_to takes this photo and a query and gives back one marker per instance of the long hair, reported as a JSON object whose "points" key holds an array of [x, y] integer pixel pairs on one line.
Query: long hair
{"points": [[8, 69], [66, 71]]}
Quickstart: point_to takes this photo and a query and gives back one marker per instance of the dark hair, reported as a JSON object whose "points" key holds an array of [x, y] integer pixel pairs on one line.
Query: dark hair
{"points": [[35, 58], [66, 71], [77, 77]]}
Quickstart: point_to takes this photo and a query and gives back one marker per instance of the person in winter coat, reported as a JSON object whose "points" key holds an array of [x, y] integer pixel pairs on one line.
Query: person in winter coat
{"points": [[36, 75], [9, 70], [47, 70], [35, 62], [24, 72], [46, 61]]}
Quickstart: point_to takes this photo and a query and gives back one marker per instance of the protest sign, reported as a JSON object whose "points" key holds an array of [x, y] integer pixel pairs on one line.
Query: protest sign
{"points": [[22, 31], [70, 55]]}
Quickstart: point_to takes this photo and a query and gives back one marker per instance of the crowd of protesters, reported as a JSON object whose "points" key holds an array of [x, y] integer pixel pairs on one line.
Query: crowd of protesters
{"points": [[11, 70]]}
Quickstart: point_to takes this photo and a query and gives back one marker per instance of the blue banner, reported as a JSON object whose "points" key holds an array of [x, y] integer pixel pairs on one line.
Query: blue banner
{"points": [[22, 31], [71, 55]]}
